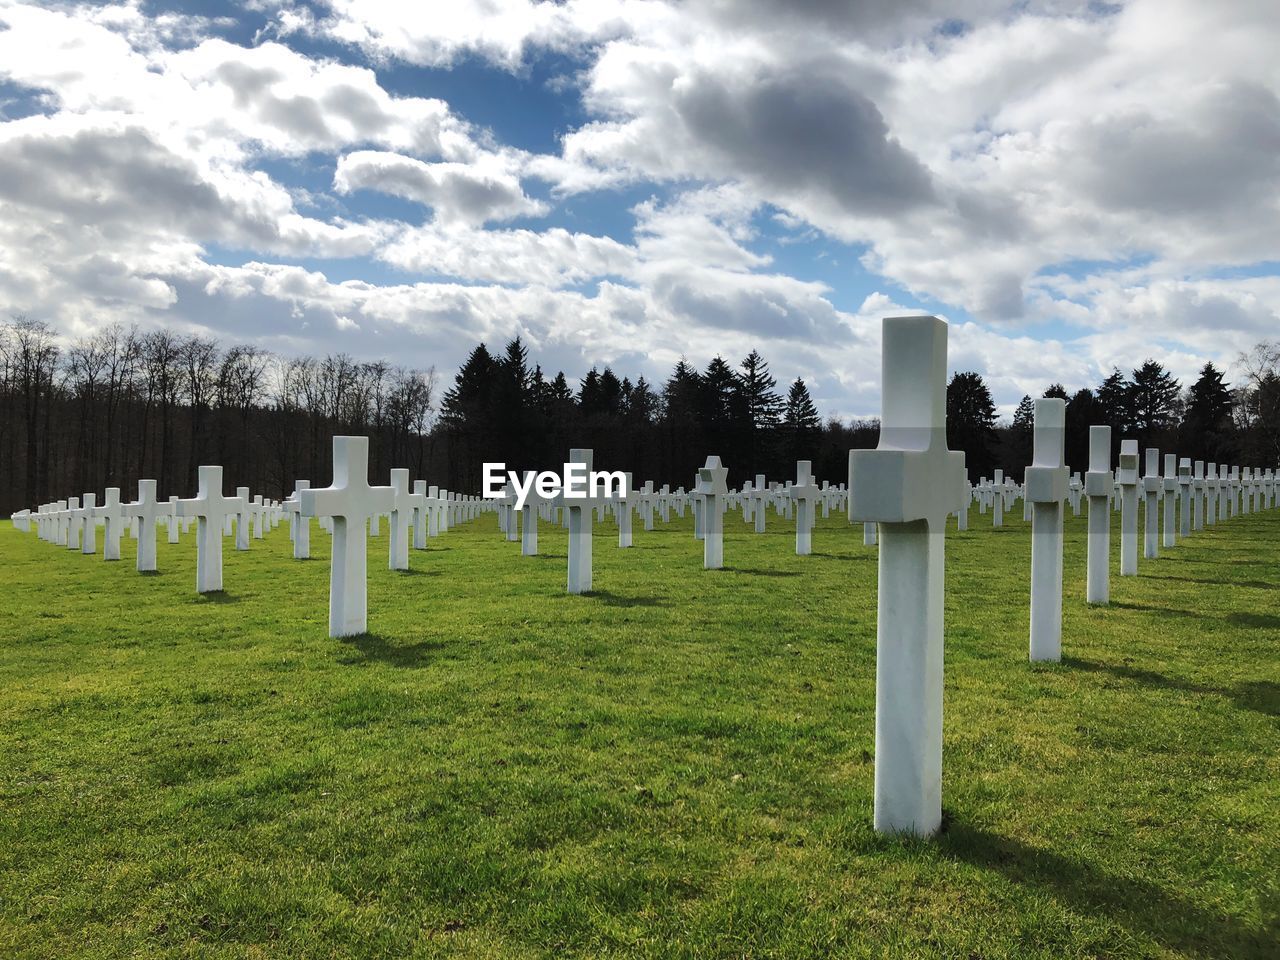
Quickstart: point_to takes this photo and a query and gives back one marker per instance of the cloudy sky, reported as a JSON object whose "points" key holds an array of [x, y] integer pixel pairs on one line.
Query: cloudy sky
{"points": [[1071, 184]]}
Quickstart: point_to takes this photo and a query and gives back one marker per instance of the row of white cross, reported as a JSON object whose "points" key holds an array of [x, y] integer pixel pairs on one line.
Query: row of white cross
{"points": [[905, 490]]}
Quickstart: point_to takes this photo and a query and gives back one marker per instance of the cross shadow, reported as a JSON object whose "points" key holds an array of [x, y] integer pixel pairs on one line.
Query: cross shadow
{"points": [[610, 599], [217, 596], [413, 572], [753, 572], [149, 573], [1146, 608], [1256, 584], [1261, 696], [1138, 904], [374, 646], [1262, 620]]}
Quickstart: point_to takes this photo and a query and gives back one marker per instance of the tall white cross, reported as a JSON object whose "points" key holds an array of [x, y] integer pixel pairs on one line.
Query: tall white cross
{"points": [[1127, 477], [112, 514], [89, 513], [580, 532], [804, 492], [1170, 498], [1098, 481], [75, 523], [1184, 501], [418, 507], [759, 501], [712, 488], [1046, 489], [534, 501], [1151, 513], [243, 517], [145, 510], [211, 510], [624, 507], [401, 512], [1197, 496], [908, 485], [300, 524], [1211, 494], [350, 501], [997, 503], [171, 520]]}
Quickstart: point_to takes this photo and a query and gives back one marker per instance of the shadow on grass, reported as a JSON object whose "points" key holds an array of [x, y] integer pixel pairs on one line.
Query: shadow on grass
{"points": [[1138, 904], [754, 572], [1261, 696], [374, 646], [610, 599], [1255, 584], [1147, 608], [217, 596], [412, 572], [1248, 619]]}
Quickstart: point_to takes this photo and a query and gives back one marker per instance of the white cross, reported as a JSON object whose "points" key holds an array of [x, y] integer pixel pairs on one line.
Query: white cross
{"points": [[534, 501], [1151, 512], [350, 501], [759, 499], [88, 513], [418, 509], [300, 525], [1046, 481], [1184, 485], [171, 520], [1127, 478], [579, 532], [1170, 497], [243, 517], [75, 523], [1098, 482], [803, 492], [401, 512], [712, 486], [146, 509], [908, 485], [211, 510], [112, 514], [623, 507]]}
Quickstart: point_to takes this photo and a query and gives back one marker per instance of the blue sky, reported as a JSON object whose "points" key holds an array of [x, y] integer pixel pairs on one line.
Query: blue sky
{"points": [[1072, 185]]}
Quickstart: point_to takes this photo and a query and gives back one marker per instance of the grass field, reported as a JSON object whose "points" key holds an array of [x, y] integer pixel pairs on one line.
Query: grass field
{"points": [[679, 765]]}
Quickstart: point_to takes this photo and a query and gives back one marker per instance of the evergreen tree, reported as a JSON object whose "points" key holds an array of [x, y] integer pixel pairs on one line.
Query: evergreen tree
{"points": [[1114, 404], [1155, 401], [1207, 431], [1083, 411], [468, 417], [1057, 391], [763, 409], [721, 394], [801, 414], [971, 419], [1021, 437]]}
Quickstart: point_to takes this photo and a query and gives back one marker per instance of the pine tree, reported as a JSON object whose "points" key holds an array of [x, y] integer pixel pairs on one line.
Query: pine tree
{"points": [[1155, 400], [1114, 398], [764, 406], [800, 420], [971, 419], [761, 414], [1207, 431]]}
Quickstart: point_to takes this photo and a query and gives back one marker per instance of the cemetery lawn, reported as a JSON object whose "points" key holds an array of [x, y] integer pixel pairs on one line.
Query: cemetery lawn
{"points": [[679, 765]]}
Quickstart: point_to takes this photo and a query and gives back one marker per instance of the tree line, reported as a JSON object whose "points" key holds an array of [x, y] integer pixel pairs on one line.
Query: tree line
{"points": [[119, 404]]}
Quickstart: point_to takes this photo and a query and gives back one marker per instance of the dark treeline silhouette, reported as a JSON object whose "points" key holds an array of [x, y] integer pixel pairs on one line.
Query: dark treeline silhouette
{"points": [[118, 405], [500, 408]]}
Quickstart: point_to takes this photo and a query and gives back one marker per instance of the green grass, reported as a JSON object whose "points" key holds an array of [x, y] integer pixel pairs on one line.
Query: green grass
{"points": [[679, 765]]}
